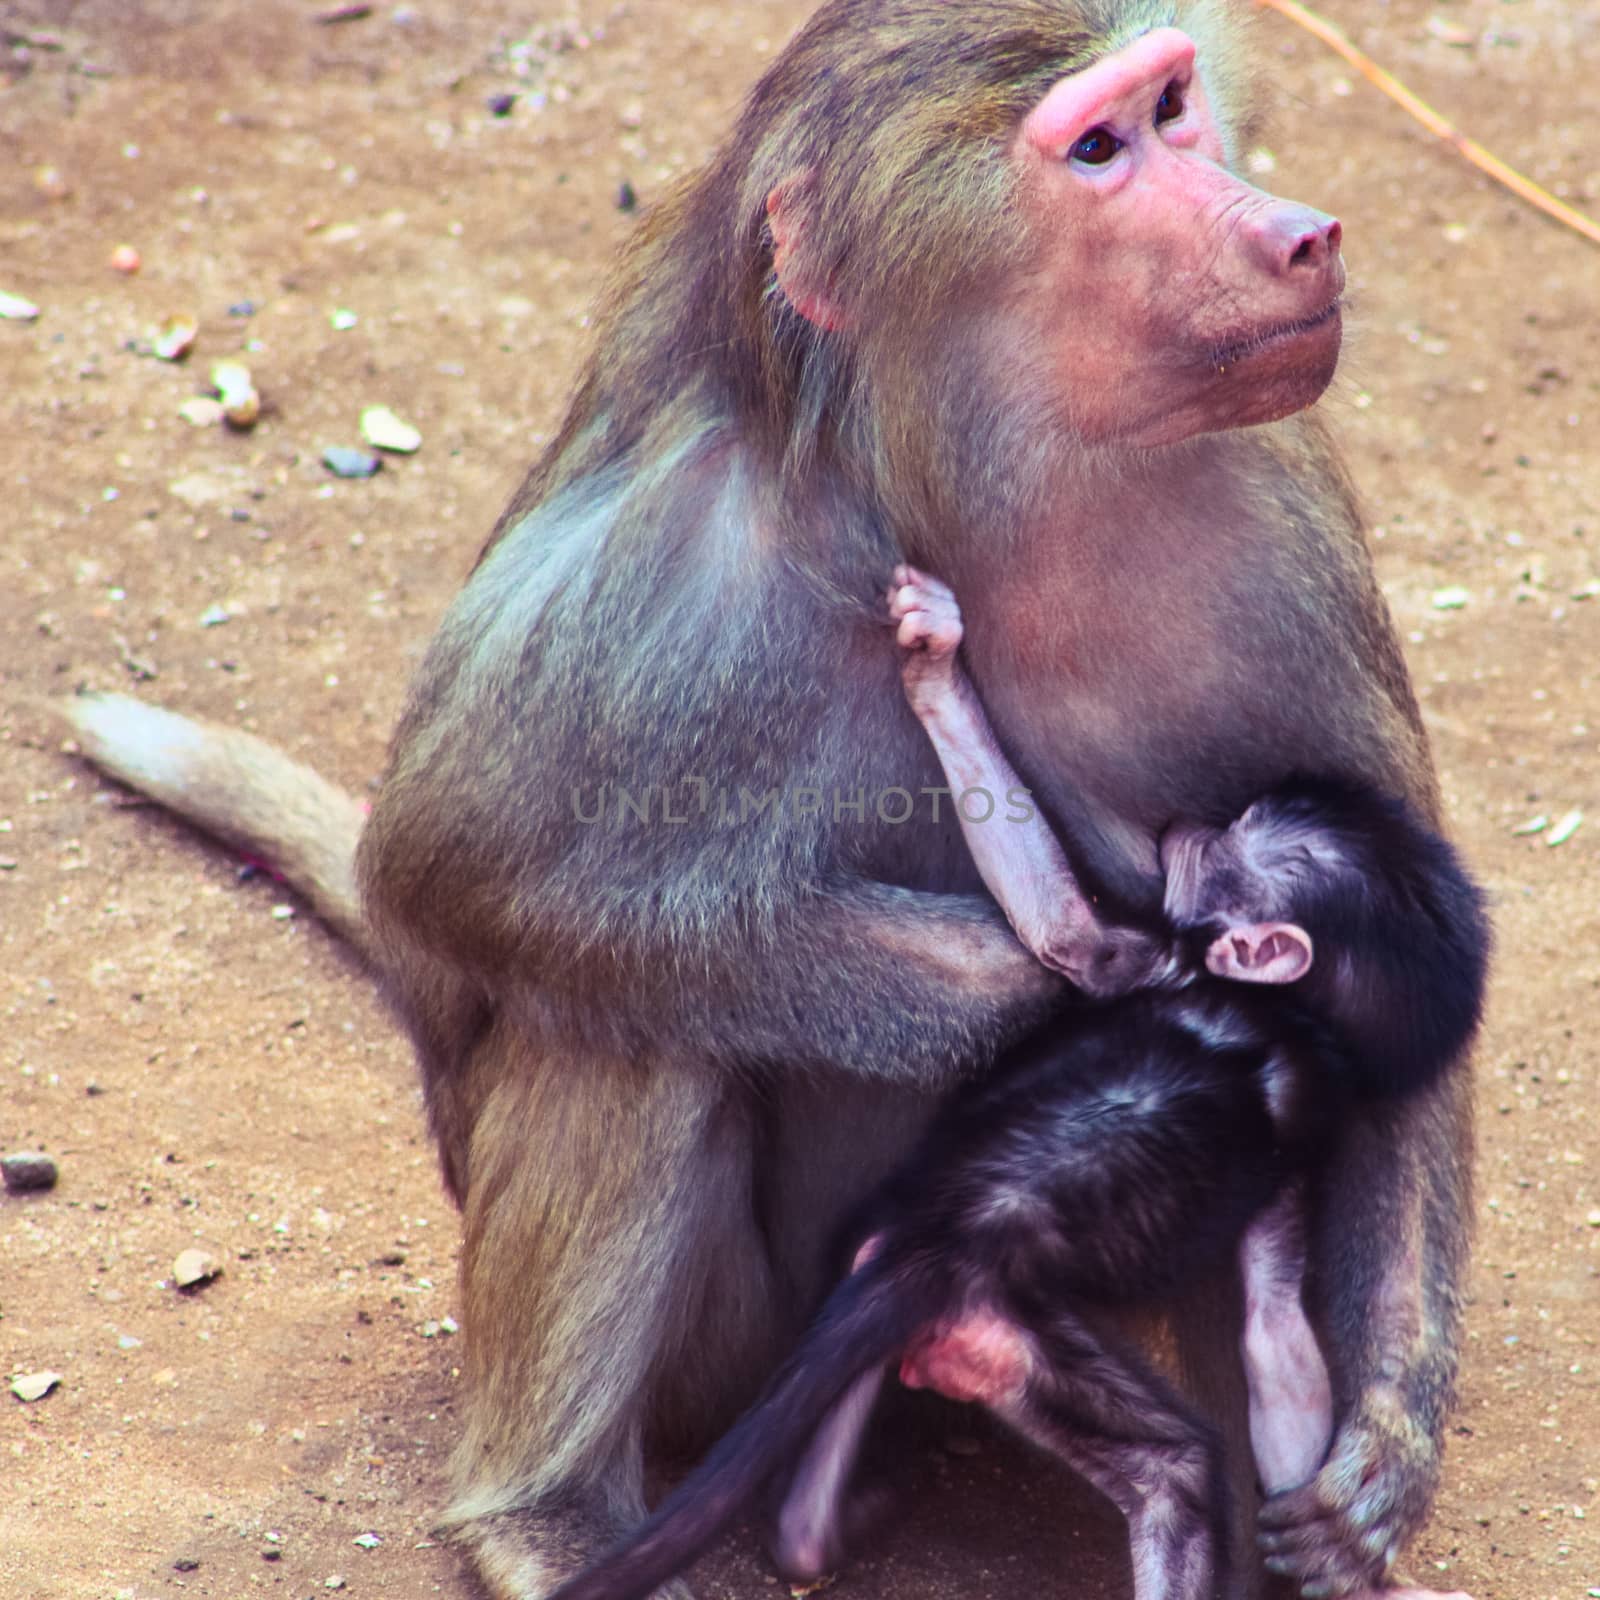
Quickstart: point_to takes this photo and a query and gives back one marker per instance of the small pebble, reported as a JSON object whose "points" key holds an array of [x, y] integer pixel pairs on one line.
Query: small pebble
{"points": [[125, 259], [346, 463], [500, 104], [627, 197], [1451, 33], [1564, 829], [186, 1564], [201, 411], [1593, 1219], [31, 1386], [214, 616], [29, 1170], [194, 1268], [176, 338], [16, 309], [343, 321], [51, 183], [1451, 599], [241, 405], [367, 1541], [381, 427]]}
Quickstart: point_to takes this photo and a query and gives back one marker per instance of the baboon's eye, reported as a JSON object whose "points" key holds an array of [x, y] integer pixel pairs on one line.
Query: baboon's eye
{"points": [[1096, 147], [1170, 106]]}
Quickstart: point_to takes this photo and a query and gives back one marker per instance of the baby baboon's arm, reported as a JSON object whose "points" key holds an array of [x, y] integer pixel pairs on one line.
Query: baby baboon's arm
{"points": [[1019, 856]]}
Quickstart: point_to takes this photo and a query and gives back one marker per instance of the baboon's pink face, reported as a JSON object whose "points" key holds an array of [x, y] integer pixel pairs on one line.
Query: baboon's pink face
{"points": [[1165, 297]]}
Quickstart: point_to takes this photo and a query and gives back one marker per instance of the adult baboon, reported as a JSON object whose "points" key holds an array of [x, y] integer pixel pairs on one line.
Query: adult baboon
{"points": [[973, 286]]}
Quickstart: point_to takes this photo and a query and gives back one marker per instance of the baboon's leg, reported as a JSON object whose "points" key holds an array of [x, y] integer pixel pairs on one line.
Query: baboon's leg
{"points": [[1291, 1398], [607, 1207], [1092, 1401]]}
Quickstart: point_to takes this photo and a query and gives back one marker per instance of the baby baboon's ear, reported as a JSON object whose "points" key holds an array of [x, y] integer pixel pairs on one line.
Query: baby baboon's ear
{"points": [[1261, 952]]}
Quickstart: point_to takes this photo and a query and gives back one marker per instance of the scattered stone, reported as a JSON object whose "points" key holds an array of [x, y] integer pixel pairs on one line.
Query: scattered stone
{"points": [[1451, 599], [355, 11], [214, 616], [1593, 1219], [335, 1582], [201, 411], [500, 104], [627, 197], [236, 389], [381, 427], [1451, 33], [128, 1341], [242, 308], [125, 259], [1532, 826], [199, 490], [186, 1564], [367, 1541], [193, 1268], [1564, 829], [31, 1386], [16, 309], [29, 1170], [272, 1553], [176, 338], [346, 463], [343, 321], [51, 182], [282, 913]]}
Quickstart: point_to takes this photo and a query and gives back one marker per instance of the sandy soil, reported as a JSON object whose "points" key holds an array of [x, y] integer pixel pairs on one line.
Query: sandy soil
{"points": [[213, 1073]]}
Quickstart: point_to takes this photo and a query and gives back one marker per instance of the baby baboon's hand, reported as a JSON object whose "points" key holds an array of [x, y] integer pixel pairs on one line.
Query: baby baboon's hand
{"points": [[928, 622], [928, 630]]}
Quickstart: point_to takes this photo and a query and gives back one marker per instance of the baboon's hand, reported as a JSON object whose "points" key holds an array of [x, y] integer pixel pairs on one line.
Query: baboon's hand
{"points": [[1339, 1534], [1103, 961], [928, 620]]}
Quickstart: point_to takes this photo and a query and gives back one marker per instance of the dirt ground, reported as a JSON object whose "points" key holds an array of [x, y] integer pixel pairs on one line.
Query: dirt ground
{"points": [[212, 1071]]}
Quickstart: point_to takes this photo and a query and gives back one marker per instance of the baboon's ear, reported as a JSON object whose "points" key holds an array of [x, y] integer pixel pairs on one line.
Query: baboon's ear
{"points": [[1261, 952], [790, 211]]}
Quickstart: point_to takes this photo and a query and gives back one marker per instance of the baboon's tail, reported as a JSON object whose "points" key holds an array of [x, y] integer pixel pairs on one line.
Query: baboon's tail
{"points": [[237, 788], [870, 1316]]}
